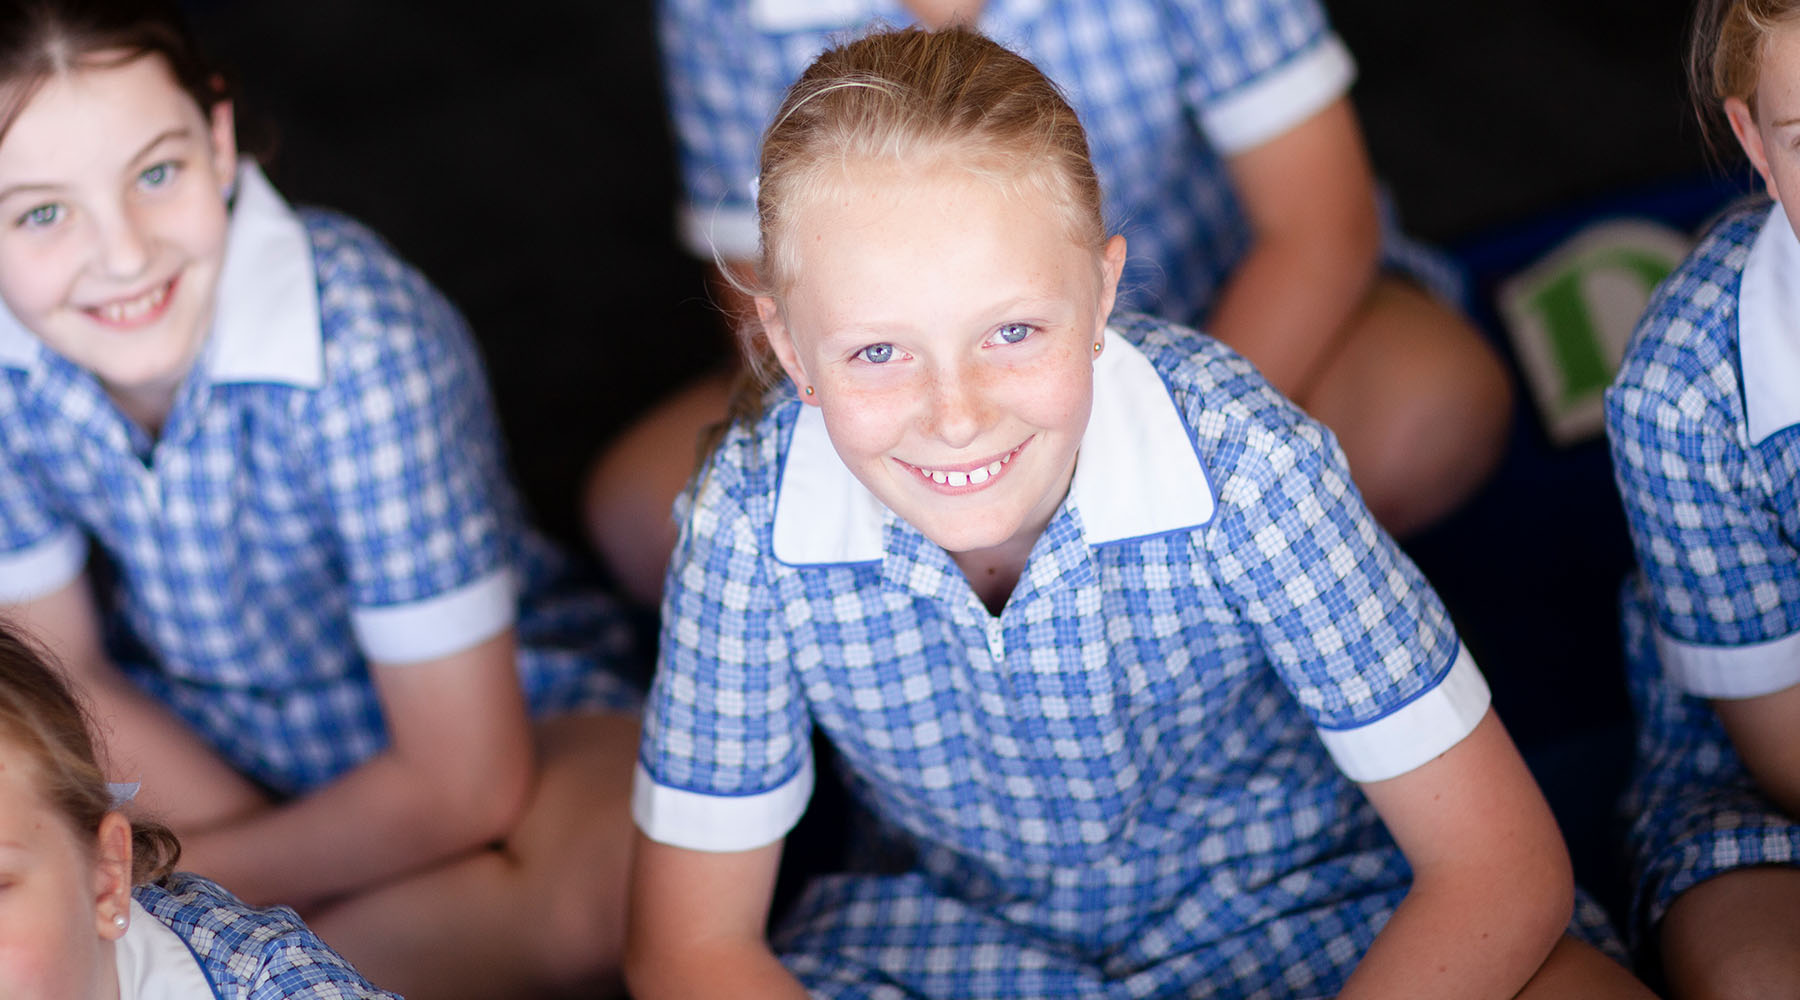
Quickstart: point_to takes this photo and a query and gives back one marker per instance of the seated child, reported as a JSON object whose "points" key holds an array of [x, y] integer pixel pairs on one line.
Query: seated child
{"points": [[1704, 422], [1230, 158], [92, 907], [1088, 611], [314, 623]]}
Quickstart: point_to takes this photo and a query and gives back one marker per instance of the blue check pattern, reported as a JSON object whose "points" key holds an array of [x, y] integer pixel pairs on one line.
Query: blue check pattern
{"points": [[241, 542], [250, 954], [1114, 788], [1138, 72], [1714, 520]]}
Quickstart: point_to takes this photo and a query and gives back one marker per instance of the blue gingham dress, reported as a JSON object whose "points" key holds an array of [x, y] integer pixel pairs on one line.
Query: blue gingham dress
{"points": [[1167, 89], [328, 490], [1704, 423], [251, 954], [1123, 785]]}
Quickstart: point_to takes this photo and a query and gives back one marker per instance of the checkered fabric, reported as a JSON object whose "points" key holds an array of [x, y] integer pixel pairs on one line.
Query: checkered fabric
{"points": [[244, 543], [1166, 88], [1714, 516], [1119, 780], [251, 954]]}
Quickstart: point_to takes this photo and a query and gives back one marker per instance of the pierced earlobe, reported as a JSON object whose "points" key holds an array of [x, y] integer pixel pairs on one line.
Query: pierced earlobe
{"points": [[1097, 348], [809, 390], [121, 921]]}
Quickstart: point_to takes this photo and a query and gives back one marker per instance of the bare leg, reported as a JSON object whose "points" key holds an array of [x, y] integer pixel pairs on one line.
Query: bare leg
{"points": [[542, 915], [1736, 935], [1420, 403], [1576, 971], [626, 501]]}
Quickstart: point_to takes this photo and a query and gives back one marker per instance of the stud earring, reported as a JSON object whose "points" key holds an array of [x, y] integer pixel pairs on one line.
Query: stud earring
{"points": [[1096, 348], [809, 390], [120, 921]]}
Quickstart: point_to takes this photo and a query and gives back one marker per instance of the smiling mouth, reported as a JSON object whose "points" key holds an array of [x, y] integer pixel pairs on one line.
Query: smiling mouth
{"points": [[957, 478], [137, 310]]}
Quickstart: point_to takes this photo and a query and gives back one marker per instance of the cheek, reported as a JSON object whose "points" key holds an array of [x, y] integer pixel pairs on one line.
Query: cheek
{"points": [[865, 421], [36, 279]]}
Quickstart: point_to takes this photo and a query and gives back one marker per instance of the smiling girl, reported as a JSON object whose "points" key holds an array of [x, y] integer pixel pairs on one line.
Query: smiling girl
{"points": [[1141, 701], [347, 673]]}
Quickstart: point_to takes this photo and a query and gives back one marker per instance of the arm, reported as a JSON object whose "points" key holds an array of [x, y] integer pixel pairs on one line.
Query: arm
{"points": [[1310, 199], [185, 783], [1492, 888], [1762, 731], [456, 775], [696, 925]]}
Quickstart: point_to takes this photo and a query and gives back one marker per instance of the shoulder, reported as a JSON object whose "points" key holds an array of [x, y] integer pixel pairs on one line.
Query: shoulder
{"points": [[267, 952], [735, 489], [1684, 350]]}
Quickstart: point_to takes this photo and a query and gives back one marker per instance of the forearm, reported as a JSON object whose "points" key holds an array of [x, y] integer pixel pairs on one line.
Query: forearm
{"points": [[1761, 730], [750, 972], [1288, 302], [1483, 938], [383, 819]]}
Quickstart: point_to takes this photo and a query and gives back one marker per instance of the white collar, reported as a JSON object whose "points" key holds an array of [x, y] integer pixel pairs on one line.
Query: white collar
{"points": [[1769, 328], [1137, 475], [155, 964], [781, 16], [266, 316]]}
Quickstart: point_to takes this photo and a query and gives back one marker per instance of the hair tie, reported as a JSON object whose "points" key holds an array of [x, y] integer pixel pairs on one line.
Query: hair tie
{"points": [[123, 792]]}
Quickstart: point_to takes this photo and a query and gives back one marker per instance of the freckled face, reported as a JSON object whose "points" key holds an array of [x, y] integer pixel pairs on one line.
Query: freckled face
{"points": [[55, 943], [1771, 136], [113, 223], [947, 328]]}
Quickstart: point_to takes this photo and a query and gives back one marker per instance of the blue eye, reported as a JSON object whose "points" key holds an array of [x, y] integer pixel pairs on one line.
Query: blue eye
{"points": [[877, 354], [159, 175], [42, 216], [1012, 333]]}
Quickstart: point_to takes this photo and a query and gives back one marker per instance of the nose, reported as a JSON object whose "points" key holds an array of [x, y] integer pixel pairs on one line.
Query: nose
{"points": [[123, 245], [958, 406]]}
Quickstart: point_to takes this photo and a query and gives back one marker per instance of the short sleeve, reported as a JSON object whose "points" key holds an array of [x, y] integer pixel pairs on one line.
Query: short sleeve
{"points": [[1707, 521], [408, 456], [724, 81], [1348, 622], [1255, 68], [726, 761]]}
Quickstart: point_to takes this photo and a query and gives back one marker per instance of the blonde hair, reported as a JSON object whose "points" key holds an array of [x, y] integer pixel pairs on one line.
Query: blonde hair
{"points": [[40, 715], [1725, 52], [912, 98]]}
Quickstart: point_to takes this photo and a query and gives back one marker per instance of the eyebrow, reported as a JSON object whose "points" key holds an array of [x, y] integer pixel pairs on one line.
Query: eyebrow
{"points": [[178, 132]]}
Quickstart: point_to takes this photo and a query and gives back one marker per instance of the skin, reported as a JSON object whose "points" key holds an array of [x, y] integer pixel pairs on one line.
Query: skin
{"points": [[414, 892], [59, 893], [908, 343], [1732, 936]]}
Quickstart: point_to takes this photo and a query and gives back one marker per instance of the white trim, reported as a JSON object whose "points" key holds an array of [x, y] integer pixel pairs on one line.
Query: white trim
{"points": [[438, 626], [1418, 731], [266, 317], [1281, 99], [719, 823], [1746, 671], [1768, 337], [44, 568], [19, 348], [154, 963], [782, 16], [1137, 473], [728, 233]]}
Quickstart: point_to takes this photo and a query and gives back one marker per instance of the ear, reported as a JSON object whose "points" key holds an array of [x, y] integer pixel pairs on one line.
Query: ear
{"points": [[775, 328], [112, 875], [1743, 125], [224, 142], [1112, 264]]}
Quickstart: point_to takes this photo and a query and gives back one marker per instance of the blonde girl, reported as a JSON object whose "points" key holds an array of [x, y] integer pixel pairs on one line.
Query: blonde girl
{"points": [[1704, 420], [1141, 701]]}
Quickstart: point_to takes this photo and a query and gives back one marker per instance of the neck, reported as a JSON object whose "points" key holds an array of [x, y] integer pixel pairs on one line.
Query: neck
{"points": [[993, 573], [936, 14]]}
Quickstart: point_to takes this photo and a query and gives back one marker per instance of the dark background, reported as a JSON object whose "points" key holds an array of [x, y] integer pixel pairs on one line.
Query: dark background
{"points": [[519, 155]]}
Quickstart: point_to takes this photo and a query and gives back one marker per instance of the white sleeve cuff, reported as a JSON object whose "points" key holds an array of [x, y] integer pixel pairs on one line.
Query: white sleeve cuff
{"points": [[1417, 732], [44, 568], [438, 626], [1281, 99], [727, 232], [719, 822], [1730, 671]]}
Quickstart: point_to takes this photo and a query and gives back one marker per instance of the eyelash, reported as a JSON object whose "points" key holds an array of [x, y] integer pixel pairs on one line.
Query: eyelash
{"points": [[890, 349], [32, 218], [1026, 328], [169, 168]]}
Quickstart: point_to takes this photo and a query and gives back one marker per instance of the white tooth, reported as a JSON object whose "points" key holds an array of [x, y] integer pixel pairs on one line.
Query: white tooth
{"points": [[939, 478], [978, 476], [959, 479], [994, 469]]}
